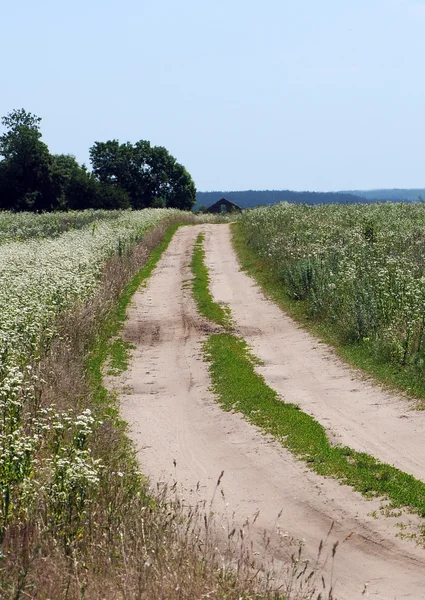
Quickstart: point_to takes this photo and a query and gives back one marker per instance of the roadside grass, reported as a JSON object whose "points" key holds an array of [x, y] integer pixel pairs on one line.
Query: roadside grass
{"points": [[119, 357], [108, 348], [240, 388], [362, 356], [200, 287]]}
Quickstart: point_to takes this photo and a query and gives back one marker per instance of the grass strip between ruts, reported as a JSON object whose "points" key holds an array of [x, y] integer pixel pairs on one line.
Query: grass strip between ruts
{"points": [[240, 388], [200, 287]]}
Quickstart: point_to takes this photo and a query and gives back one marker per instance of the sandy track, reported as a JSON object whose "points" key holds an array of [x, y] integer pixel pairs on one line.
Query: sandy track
{"points": [[173, 417]]}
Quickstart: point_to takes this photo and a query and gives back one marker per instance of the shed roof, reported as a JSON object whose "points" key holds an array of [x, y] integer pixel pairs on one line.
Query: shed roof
{"points": [[217, 206]]}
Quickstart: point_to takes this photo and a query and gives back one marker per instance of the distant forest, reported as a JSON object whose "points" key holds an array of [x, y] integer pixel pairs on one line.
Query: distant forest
{"points": [[394, 195], [251, 198]]}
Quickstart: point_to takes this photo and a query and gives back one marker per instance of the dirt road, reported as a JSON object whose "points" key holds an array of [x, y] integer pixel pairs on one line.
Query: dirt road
{"points": [[175, 421]]}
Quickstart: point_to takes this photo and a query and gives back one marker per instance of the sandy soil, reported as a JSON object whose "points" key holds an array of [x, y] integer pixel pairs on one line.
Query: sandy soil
{"points": [[182, 434]]}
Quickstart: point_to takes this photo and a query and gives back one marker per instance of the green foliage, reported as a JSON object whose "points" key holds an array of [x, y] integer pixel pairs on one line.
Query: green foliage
{"points": [[240, 388], [18, 122], [124, 175], [149, 174], [26, 181], [355, 274], [358, 268], [31, 179], [119, 356], [200, 288], [18, 227], [45, 460]]}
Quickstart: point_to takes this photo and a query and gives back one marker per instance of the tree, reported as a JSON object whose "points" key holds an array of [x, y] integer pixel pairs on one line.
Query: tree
{"points": [[78, 189], [112, 197], [149, 174], [65, 171], [26, 177], [182, 190], [124, 175], [18, 122]]}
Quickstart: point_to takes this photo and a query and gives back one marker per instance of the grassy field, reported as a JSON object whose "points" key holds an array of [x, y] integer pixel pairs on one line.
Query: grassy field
{"points": [[355, 275]]}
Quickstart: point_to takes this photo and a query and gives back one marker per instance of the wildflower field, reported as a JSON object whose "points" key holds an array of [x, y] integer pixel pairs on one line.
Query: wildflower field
{"points": [[356, 270], [51, 271], [51, 267]]}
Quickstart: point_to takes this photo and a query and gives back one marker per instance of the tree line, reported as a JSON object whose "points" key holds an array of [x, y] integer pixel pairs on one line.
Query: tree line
{"points": [[252, 198], [123, 175]]}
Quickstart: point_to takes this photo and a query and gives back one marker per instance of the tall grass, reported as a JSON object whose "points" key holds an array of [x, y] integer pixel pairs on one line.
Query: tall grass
{"points": [[74, 478], [356, 271]]}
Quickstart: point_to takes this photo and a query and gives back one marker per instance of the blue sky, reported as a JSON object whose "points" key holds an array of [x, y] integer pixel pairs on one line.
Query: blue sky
{"points": [[278, 94]]}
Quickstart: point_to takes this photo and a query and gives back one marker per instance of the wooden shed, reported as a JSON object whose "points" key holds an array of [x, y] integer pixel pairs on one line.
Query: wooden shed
{"points": [[223, 206]]}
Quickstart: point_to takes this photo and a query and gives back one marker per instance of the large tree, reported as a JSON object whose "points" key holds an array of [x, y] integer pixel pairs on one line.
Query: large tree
{"points": [[149, 174], [26, 169]]}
